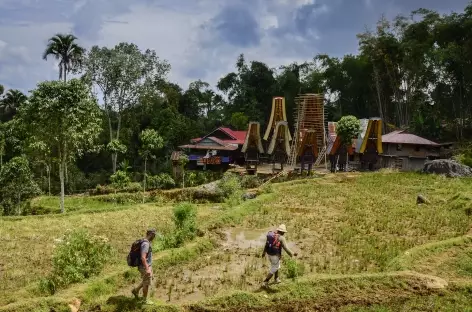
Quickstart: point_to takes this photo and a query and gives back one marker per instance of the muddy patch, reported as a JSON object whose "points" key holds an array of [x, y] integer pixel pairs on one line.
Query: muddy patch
{"points": [[236, 265]]}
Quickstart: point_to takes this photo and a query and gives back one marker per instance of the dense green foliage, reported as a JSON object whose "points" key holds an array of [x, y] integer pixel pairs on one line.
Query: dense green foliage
{"points": [[184, 228], [412, 71], [78, 256], [348, 128], [17, 184]]}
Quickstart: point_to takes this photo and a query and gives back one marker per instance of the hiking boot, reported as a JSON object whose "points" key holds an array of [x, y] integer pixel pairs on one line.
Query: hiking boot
{"points": [[277, 281], [148, 302], [265, 284], [135, 293]]}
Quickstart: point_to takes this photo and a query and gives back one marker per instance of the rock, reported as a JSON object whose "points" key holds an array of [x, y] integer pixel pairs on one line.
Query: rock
{"points": [[420, 199], [249, 196], [447, 167], [74, 305]]}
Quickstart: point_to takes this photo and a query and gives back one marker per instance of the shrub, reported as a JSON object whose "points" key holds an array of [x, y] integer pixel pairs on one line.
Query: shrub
{"points": [[293, 269], [229, 185], [195, 178], [18, 185], [77, 257], [120, 179], [160, 181], [185, 229], [132, 187], [250, 181], [231, 189], [464, 159]]}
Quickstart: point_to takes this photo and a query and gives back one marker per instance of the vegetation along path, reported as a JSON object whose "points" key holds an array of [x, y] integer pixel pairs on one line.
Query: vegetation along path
{"points": [[364, 245]]}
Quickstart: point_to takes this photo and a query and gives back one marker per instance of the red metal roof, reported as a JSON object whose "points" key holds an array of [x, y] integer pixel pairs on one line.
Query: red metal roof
{"points": [[219, 145], [237, 137], [211, 147], [402, 137]]}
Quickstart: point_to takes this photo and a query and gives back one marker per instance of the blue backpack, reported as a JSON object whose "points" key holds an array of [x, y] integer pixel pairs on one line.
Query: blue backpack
{"points": [[273, 244]]}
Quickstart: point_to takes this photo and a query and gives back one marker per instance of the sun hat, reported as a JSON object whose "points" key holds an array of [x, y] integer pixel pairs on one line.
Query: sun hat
{"points": [[282, 228]]}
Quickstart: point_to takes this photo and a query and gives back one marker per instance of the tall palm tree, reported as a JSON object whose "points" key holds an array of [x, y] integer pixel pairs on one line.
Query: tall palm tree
{"points": [[11, 102], [64, 48]]}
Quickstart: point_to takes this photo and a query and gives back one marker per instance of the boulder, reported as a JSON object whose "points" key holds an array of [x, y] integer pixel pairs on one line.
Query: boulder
{"points": [[248, 195], [447, 167], [420, 199]]}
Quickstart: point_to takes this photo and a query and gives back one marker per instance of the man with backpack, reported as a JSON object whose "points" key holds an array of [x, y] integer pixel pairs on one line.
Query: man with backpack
{"points": [[274, 244], [141, 256]]}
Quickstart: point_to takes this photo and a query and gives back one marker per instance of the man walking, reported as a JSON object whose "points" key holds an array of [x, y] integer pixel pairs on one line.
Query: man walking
{"points": [[274, 244], [145, 264]]}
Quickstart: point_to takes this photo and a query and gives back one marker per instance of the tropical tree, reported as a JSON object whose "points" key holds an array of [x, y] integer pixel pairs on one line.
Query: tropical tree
{"points": [[123, 74], [69, 119], [63, 47], [348, 128], [12, 100], [150, 142]]}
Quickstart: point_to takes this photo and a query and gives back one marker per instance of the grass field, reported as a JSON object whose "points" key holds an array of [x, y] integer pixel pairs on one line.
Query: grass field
{"points": [[363, 243]]}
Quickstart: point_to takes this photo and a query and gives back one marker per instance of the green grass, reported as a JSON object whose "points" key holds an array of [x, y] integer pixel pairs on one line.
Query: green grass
{"points": [[351, 231]]}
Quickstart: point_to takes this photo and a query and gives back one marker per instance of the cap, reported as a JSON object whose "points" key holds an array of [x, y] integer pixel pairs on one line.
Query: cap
{"points": [[151, 231]]}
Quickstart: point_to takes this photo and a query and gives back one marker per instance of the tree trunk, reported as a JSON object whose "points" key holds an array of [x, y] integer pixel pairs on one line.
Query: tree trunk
{"points": [[61, 177], [145, 173], [65, 167], [18, 212], [144, 180], [115, 158], [48, 171]]}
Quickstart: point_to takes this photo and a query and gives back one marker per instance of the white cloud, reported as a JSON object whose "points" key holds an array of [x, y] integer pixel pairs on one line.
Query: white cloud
{"points": [[21, 63], [180, 32]]}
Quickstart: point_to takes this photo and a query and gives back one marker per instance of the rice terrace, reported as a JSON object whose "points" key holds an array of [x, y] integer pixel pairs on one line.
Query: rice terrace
{"points": [[333, 184], [363, 242]]}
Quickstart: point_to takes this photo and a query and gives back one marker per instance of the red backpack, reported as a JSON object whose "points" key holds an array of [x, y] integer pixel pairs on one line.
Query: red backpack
{"points": [[273, 243]]}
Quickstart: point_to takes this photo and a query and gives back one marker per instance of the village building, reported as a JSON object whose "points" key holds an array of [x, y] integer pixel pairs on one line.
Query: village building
{"points": [[406, 151], [216, 150]]}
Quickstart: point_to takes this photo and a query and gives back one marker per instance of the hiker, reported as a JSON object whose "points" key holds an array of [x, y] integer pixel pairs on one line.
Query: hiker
{"points": [[274, 244], [144, 263]]}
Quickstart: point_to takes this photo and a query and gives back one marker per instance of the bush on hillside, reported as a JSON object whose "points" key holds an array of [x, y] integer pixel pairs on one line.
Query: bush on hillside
{"points": [[250, 181], [78, 256], [465, 155], [132, 187], [18, 186], [120, 179], [229, 185], [184, 227], [231, 189], [195, 178], [161, 181]]}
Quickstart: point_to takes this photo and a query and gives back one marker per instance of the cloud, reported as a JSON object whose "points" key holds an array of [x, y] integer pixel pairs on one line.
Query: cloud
{"points": [[200, 38]]}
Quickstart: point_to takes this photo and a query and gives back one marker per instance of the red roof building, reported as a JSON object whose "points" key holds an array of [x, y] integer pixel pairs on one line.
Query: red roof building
{"points": [[222, 146]]}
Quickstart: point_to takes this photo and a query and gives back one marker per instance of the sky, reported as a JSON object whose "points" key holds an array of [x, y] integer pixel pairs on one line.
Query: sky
{"points": [[201, 39]]}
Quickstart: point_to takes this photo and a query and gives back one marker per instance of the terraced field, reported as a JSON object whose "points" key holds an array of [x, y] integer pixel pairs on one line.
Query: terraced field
{"points": [[363, 243]]}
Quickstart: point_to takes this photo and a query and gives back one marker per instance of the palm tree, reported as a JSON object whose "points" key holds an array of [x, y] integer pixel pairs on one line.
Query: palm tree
{"points": [[12, 100], [64, 49]]}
